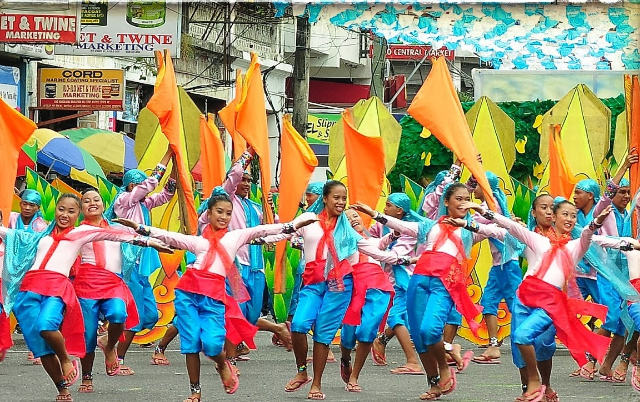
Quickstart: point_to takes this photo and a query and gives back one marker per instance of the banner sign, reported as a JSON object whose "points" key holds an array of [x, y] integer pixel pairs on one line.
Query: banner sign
{"points": [[126, 28], [81, 89], [38, 28], [415, 52], [318, 126]]}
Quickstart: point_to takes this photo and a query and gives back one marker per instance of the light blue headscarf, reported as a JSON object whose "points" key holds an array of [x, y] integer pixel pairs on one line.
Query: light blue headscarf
{"points": [[204, 204], [590, 186], [135, 176], [20, 253], [315, 188], [33, 197], [401, 200]]}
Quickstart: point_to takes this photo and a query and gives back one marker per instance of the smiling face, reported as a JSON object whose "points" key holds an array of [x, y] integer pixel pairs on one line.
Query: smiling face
{"points": [[542, 211], [336, 201], [220, 214], [355, 220], [455, 199], [243, 188], [92, 205], [565, 218], [67, 212], [622, 198], [28, 209]]}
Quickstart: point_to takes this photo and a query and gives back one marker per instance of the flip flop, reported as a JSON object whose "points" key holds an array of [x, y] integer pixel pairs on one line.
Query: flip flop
{"points": [[607, 378], [351, 387], [243, 358], [536, 395], [452, 380], [635, 383], [64, 398], [86, 389], [345, 370], [159, 361], [552, 397], [109, 369], [404, 370], [76, 368], [575, 373], [297, 384], [486, 360], [234, 377], [316, 396], [466, 358], [586, 373], [429, 396], [378, 359]]}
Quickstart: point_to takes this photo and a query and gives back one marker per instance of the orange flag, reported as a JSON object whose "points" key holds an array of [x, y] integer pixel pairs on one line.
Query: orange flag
{"points": [[298, 162], [15, 130], [228, 116], [436, 106], [632, 104], [251, 123], [166, 105], [365, 164], [211, 154], [561, 180]]}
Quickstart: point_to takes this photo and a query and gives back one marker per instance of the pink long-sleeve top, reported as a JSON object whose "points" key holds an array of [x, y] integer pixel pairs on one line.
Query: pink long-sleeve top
{"points": [[448, 247], [129, 204], [238, 217], [198, 245], [112, 251], [496, 254], [64, 256], [538, 245], [432, 201], [39, 225], [405, 245]]}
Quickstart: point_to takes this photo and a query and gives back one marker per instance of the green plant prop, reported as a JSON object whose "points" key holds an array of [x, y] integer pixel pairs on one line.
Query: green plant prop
{"points": [[48, 193], [413, 190]]}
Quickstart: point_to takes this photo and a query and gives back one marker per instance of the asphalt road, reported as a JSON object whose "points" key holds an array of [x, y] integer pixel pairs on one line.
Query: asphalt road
{"points": [[264, 376]]}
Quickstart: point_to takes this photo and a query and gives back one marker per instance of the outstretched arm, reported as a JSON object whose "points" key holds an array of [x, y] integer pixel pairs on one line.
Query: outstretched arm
{"points": [[407, 228]]}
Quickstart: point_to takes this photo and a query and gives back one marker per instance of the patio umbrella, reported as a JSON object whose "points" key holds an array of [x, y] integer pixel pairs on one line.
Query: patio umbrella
{"points": [[61, 155], [113, 151]]}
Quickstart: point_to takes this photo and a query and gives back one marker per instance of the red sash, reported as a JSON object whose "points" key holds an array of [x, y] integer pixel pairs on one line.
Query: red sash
{"points": [[366, 275], [97, 283], [340, 268], [51, 283], [57, 237], [635, 283], [536, 293], [213, 285], [448, 269], [236, 283]]}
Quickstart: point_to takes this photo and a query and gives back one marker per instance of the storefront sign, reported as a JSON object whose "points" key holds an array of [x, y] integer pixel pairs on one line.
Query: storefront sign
{"points": [[416, 52], [81, 89], [318, 127], [132, 28], [10, 85], [38, 28], [30, 51]]}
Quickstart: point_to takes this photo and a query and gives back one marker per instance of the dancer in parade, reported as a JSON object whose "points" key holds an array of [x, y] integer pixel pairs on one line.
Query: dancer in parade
{"points": [[5, 326], [372, 294], [505, 274], [398, 205], [438, 283], [39, 292], [204, 312], [551, 268], [134, 202], [102, 291]]}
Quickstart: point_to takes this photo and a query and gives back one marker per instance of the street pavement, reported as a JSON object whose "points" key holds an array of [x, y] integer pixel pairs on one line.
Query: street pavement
{"points": [[263, 379]]}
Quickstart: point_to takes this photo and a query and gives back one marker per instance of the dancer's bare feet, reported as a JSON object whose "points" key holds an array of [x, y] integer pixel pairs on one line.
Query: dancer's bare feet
{"points": [[379, 352], [456, 355], [284, 336]]}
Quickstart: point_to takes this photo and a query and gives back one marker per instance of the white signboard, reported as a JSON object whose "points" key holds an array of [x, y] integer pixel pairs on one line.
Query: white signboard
{"points": [[126, 28], [10, 85]]}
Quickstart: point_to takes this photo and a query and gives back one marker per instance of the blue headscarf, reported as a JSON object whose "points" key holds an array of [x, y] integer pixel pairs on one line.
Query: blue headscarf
{"points": [[511, 247], [590, 186], [401, 200], [315, 188], [135, 176], [33, 197], [204, 204], [20, 254]]}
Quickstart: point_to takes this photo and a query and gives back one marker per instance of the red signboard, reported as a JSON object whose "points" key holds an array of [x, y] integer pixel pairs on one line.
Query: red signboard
{"points": [[416, 52], [38, 28]]}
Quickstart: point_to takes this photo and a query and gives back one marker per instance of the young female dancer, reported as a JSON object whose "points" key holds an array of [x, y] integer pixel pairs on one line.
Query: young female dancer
{"points": [[551, 266], [101, 290], [202, 306], [330, 249], [438, 283], [38, 289], [369, 305]]}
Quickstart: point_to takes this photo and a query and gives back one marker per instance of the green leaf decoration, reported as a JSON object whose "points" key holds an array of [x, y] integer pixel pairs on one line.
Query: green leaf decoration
{"points": [[329, 175], [523, 199], [413, 190], [48, 193], [107, 190]]}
